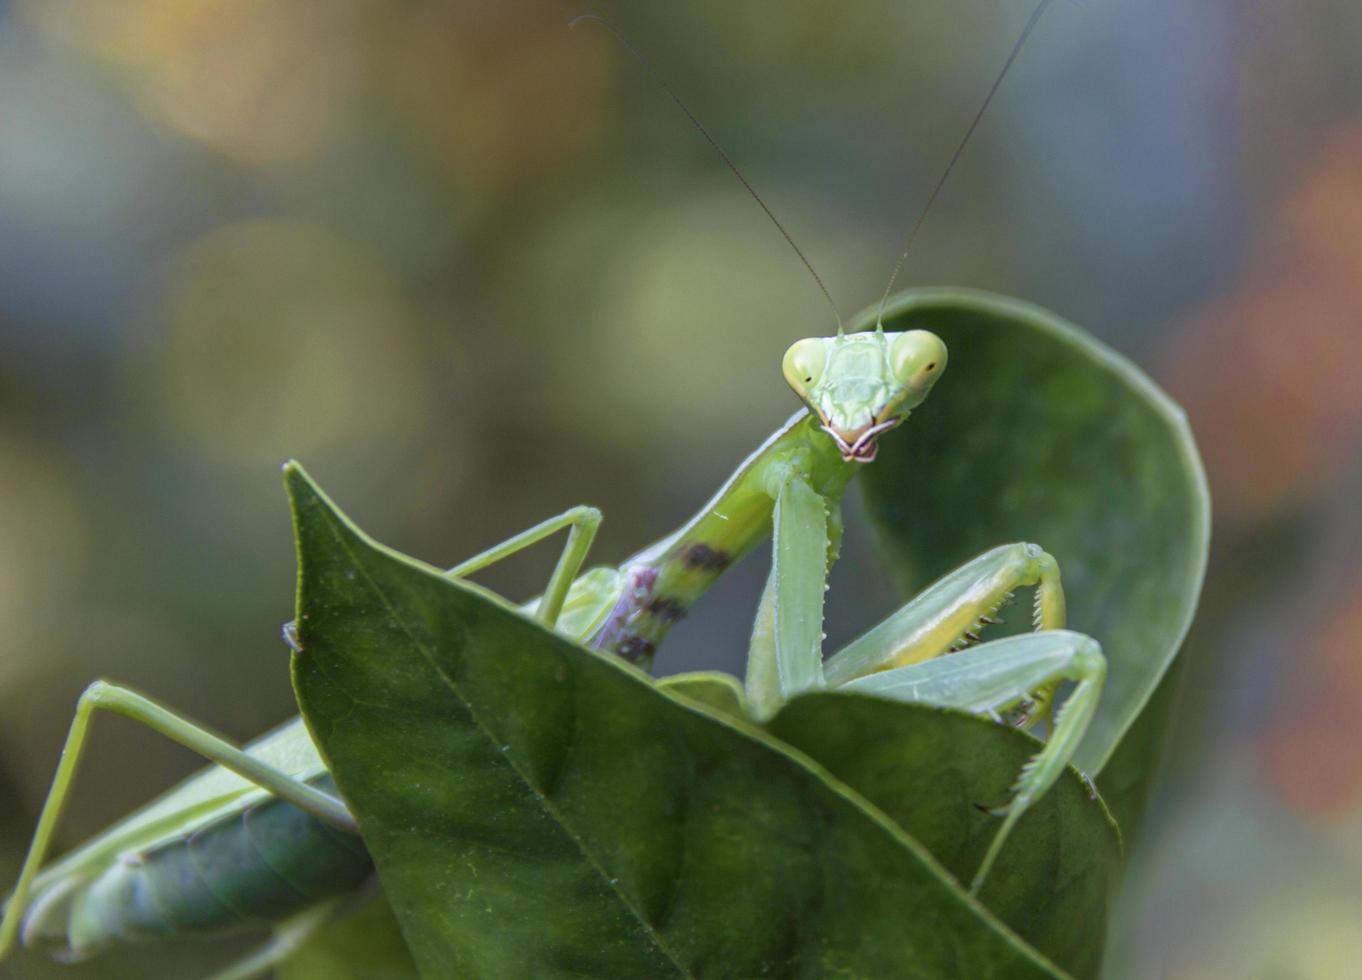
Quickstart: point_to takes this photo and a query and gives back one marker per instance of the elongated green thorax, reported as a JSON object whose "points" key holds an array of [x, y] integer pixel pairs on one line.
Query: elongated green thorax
{"points": [[663, 581]]}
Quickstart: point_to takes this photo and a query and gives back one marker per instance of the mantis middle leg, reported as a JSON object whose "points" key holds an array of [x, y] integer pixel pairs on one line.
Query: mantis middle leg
{"points": [[582, 524]]}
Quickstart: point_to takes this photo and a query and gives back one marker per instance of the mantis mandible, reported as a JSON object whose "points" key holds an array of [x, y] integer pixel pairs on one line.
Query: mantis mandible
{"points": [[261, 839]]}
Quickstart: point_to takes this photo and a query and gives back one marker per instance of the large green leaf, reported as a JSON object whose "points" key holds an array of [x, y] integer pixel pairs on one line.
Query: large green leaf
{"points": [[1039, 433], [538, 809]]}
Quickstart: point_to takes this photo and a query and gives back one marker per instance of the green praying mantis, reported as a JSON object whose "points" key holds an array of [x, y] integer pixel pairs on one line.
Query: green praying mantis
{"points": [[208, 856], [262, 839]]}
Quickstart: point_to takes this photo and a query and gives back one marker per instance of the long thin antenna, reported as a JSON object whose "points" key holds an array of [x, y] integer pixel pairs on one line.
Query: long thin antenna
{"points": [[955, 157], [648, 67]]}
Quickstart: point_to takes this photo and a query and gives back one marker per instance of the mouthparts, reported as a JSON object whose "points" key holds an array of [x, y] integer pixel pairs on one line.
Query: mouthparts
{"points": [[860, 447]]}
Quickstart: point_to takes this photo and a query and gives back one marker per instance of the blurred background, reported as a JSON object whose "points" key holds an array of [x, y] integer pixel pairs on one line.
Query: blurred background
{"points": [[472, 267]]}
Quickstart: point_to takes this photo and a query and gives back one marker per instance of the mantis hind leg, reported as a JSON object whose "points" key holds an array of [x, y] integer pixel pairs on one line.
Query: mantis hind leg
{"points": [[108, 697], [581, 523], [950, 614], [995, 677]]}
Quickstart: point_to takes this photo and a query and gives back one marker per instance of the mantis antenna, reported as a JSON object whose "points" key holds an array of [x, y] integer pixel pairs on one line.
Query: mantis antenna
{"points": [[648, 67], [959, 149]]}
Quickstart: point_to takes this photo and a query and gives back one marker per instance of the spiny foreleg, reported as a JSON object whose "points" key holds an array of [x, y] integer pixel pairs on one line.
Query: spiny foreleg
{"points": [[950, 614], [996, 677]]}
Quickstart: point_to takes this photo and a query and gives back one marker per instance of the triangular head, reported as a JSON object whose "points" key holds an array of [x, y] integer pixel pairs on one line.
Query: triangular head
{"points": [[859, 385]]}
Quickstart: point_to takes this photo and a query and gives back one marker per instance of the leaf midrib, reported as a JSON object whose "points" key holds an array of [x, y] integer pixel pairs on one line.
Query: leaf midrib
{"points": [[339, 525], [610, 881]]}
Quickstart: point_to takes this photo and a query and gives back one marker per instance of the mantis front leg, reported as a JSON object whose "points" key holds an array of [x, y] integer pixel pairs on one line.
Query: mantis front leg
{"points": [[952, 609], [951, 612], [901, 658], [995, 677], [786, 653]]}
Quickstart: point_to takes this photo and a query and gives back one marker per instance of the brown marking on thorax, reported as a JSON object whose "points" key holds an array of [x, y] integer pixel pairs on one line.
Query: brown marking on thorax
{"points": [[665, 609], [635, 648], [701, 557]]}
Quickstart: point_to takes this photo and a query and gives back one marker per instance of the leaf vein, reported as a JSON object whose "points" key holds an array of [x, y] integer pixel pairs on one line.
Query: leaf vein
{"points": [[544, 802]]}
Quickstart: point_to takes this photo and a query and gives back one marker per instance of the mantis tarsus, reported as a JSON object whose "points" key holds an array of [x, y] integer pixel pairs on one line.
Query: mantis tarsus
{"points": [[164, 870]]}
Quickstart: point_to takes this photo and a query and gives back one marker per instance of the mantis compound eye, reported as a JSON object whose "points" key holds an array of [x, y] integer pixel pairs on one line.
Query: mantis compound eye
{"points": [[804, 363], [917, 358]]}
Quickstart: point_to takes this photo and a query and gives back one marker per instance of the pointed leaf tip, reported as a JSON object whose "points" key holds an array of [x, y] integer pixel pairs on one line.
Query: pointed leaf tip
{"points": [[294, 475]]}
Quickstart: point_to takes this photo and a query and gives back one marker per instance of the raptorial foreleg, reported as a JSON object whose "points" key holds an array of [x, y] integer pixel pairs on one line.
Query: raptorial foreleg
{"points": [[995, 677], [951, 613]]}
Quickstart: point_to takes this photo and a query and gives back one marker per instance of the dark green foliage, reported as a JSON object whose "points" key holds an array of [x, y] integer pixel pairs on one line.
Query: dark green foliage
{"points": [[932, 770]]}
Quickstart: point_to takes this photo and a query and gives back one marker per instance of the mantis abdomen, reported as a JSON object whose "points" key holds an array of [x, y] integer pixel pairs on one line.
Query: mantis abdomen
{"points": [[250, 869]]}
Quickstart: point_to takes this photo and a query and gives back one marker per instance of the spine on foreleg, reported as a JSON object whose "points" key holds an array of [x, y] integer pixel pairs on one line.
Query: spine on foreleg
{"points": [[258, 867]]}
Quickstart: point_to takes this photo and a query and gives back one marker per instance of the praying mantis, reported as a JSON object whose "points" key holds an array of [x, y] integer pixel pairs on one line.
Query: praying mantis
{"points": [[262, 838], [164, 870]]}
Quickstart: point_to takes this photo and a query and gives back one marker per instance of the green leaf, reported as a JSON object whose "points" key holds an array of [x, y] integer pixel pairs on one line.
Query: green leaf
{"points": [[538, 809], [1039, 433], [931, 770]]}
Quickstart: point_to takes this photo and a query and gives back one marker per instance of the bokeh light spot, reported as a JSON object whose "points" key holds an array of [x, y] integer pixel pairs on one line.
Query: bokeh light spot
{"points": [[283, 339], [261, 82], [43, 549]]}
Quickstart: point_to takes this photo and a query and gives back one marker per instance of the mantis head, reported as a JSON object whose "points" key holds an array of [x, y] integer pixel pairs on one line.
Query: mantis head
{"points": [[862, 384]]}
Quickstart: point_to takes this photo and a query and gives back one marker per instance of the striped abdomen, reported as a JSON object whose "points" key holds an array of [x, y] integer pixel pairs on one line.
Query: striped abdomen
{"points": [[256, 867]]}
